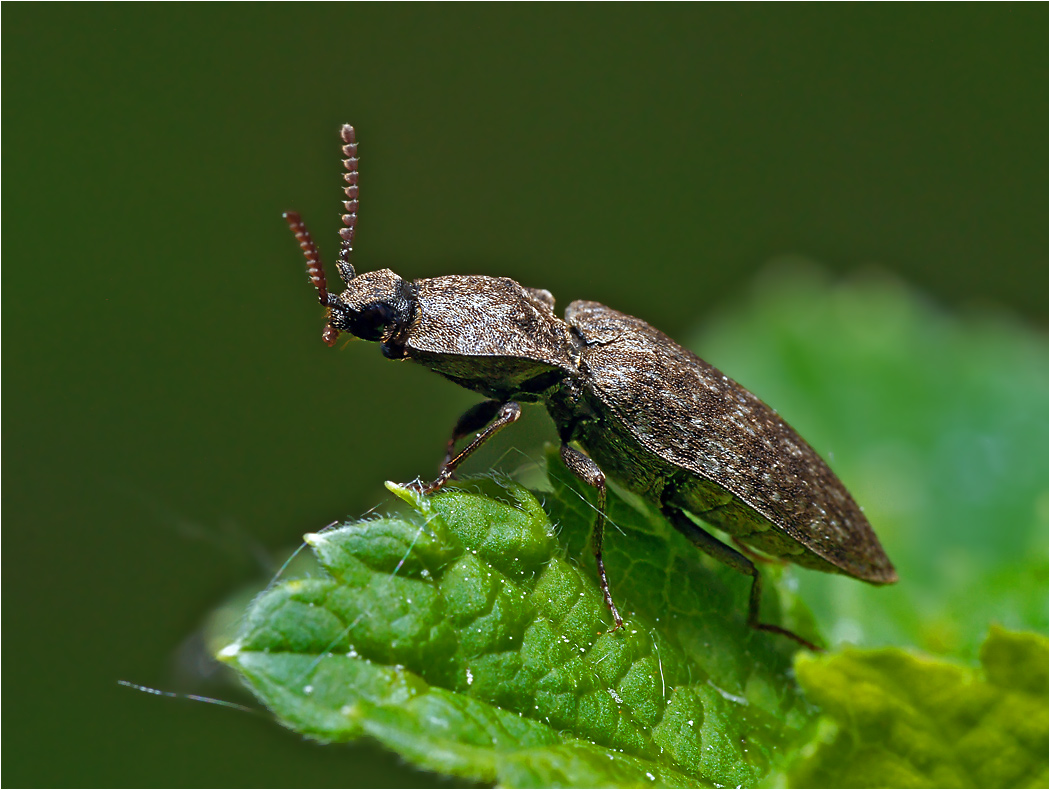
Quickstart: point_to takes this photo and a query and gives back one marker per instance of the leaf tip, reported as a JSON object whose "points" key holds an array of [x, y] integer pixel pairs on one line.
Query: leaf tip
{"points": [[314, 539], [408, 494]]}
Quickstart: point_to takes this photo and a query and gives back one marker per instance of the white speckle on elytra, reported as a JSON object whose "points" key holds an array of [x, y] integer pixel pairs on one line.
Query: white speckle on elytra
{"points": [[470, 677], [651, 777], [690, 722], [308, 689]]}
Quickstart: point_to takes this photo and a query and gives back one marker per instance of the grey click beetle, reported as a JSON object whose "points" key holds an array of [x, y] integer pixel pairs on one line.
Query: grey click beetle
{"points": [[649, 413]]}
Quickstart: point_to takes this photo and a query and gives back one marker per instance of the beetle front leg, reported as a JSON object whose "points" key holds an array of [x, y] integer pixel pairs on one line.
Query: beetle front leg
{"points": [[471, 420], [589, 472], [739, 563]]}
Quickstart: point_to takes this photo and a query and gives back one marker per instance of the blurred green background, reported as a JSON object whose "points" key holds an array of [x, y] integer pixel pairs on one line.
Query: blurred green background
{"points": [[174, 421]]}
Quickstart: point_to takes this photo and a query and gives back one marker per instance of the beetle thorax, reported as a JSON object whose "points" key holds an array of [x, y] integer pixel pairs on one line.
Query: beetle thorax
{"points": [[489, 334]]}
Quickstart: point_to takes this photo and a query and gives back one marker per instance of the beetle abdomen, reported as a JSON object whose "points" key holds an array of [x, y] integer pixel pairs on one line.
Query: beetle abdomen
{"points": [[699, 421]]}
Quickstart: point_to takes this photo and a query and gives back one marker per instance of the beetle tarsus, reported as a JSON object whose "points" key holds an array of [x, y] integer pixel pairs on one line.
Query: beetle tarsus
{"points": [[755, 600], [739, 563], [776, 629]]}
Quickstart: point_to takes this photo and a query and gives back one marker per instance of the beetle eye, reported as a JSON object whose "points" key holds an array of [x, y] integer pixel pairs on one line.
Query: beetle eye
{"points": [[369, 322]]}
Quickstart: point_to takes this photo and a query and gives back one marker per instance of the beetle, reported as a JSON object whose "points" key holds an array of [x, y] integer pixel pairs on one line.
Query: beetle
{"points": [[644, 410]]}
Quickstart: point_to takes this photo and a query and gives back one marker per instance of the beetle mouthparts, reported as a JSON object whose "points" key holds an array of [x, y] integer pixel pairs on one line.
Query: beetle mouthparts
{"points": [[329, 335]]}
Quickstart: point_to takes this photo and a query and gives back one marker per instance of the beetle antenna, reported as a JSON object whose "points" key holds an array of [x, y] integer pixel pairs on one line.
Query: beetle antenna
{"points": [[346, 233], [314, 267]]}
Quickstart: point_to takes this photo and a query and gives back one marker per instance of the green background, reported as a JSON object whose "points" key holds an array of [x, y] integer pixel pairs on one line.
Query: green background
{"points": [[174, 422]]}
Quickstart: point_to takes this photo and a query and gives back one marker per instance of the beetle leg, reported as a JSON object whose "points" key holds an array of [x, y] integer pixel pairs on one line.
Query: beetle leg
{"points": [[509, 412], [738, 562], [746, 550], [589, 472], [474, 419]]}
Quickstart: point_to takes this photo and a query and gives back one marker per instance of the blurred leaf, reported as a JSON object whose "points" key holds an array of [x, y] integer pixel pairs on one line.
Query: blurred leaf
{"points": [[937, 425], [897, 720], [462, 636]]}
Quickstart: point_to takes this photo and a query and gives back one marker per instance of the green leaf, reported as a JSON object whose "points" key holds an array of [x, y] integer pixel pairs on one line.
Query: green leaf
{"points": [[892, 719], [465, 636]]}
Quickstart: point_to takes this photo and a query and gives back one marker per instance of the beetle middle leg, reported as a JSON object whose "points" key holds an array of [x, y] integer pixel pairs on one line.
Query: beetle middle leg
{"points": [[589, 472], [472, 419], [738, 562]]}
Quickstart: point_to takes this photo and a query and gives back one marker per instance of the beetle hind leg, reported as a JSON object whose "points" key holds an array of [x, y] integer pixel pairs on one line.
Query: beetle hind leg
{"points": [[754, 556], [739, 563]]}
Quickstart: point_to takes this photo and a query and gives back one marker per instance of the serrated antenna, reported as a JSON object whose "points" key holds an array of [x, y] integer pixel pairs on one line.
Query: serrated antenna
{"points": [[314, 267], [346, 233]]}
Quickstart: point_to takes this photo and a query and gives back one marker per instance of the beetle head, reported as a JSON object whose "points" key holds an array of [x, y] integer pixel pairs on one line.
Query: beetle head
{"points": [[375, 306]]}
